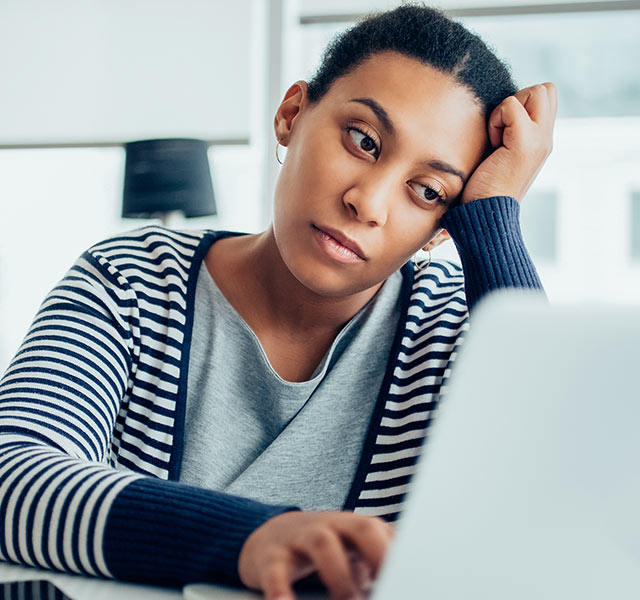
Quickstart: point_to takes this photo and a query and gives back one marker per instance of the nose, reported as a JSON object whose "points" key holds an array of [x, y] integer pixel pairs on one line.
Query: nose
{"points": [[368, 199]]}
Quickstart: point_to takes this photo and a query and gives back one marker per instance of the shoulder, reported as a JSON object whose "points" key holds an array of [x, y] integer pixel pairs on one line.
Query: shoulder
{"points": [[152, 247], [148, 261]]}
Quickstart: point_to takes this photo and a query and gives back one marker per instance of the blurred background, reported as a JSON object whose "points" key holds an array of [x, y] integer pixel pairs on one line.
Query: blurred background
{"points": [[82, 77]]}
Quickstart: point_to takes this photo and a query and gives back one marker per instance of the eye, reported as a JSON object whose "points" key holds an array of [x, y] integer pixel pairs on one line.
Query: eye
{"points": [[427, 193], [363, 141]]}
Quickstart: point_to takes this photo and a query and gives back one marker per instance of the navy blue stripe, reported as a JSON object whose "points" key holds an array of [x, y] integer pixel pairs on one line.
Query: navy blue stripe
{"points": [[408, 273], [60, 407], [62, 398], [158, 372], [91, 450], [136, 467], [31, 515], [152, 386], [4, 501], [410, 410], [116, 374], [115, 391], [397, 446], [153, 272], [46, 316], [146, 458], [66, 516], [399, 463], [93, 521], [166, 287], [144, 419], [433, 309], [386, 500], [147, 440], [149, 404], [75, 535], [175, 464], [150, 248], [161, 319], [145, 233], [388, 483], [121, 358], [162, 338], [16, 429], [405, 427]]}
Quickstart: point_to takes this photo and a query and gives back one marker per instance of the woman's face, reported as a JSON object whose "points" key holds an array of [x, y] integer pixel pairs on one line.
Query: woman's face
{"points": [[376, 163]]}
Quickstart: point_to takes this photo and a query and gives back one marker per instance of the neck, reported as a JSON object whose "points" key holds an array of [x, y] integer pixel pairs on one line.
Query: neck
{"points": [[286, 303]]}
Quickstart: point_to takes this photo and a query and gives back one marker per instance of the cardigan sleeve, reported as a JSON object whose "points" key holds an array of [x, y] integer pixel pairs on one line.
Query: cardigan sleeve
{"points": [[487, 235], [62, 505]]}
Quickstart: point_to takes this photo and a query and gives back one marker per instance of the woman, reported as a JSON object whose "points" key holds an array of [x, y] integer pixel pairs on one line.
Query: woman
{"points": [[181, 396]]}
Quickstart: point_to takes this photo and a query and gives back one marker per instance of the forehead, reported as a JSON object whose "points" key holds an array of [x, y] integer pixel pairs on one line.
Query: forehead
{"points": [[416, 97]]}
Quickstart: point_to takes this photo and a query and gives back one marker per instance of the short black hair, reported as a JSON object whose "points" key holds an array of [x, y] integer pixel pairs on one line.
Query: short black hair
{"points": [[423, 33]]}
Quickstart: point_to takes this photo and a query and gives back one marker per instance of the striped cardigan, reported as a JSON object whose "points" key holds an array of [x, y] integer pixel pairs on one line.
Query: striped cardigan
{"points": [[92, 406]]}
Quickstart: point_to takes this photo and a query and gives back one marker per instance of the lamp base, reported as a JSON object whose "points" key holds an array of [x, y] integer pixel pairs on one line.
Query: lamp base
{"points": [[170, 219]]}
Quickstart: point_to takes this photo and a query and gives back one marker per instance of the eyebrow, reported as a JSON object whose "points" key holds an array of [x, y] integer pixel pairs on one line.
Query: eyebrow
{"points": [[383, 117]]}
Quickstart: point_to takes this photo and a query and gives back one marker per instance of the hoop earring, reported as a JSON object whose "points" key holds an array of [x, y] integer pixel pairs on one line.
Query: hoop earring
{"points": [[277, 148], [425, 264]]}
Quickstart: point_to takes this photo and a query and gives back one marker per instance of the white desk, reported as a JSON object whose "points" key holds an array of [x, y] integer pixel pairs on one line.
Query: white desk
{"points": [[79, 587]]}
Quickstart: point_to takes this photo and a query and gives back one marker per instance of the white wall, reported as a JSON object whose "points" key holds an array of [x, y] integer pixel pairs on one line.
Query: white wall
{"points": [[119, 70], [115, 70]]}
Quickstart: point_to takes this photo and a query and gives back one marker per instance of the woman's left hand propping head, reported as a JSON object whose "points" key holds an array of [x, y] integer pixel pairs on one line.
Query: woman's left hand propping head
{"points": [[521, 134]]}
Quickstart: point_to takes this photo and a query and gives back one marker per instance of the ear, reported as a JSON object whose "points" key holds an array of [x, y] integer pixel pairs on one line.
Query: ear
{"points": [[291, 106], [442, 235]]}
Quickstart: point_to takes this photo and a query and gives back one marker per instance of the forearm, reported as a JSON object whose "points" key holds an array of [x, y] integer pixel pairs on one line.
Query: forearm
{"points": [[73, 515], [487, 234]]}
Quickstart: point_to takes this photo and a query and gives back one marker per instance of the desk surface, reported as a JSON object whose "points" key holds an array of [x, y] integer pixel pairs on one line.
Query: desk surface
{"points": [[79, 587]]}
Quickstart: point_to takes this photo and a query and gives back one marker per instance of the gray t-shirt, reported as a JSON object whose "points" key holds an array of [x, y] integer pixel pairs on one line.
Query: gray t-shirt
{"points": [[249, 432]]}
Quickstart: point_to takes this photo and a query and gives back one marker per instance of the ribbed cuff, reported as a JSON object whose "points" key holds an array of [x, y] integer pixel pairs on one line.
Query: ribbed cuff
{"points": [[487, 235], [167, 533]]}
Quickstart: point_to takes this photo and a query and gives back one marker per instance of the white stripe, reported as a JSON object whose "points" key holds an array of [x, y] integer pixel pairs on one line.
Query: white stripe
{"points": [[385, 493], [68, 439], [386, 475], [49, 385], [40, 539], [377, 511], [158, 401], [159, 436], [169, 331], [160, 472], [385, 440], [149, 450], [160, 385], [159, 311], [84, 536], [169, 351], [101, 521], [15, 474], [386, 457], [34, 479], [415, 417]]}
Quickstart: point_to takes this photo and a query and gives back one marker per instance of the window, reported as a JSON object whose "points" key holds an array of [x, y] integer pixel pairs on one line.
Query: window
{"points": [[635, 225]]}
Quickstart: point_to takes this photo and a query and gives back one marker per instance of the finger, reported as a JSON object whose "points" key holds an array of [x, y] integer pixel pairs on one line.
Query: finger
{"points": [[276, 583], [552, 91], [509, 113], [327, 552], [540, 101], [371, 538]]}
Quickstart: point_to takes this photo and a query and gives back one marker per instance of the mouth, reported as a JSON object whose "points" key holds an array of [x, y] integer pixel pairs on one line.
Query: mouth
{"points": [[337, 245]]}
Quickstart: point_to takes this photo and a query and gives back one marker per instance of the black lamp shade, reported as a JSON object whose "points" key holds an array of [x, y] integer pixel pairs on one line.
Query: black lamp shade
{"points": [[166, 175]]}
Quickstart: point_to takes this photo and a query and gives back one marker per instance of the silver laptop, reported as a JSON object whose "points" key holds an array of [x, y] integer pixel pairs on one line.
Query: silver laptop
{"points": [[529, 484]]}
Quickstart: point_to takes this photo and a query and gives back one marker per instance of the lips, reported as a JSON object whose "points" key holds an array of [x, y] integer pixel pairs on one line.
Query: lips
{"points": [[343, 240]]}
